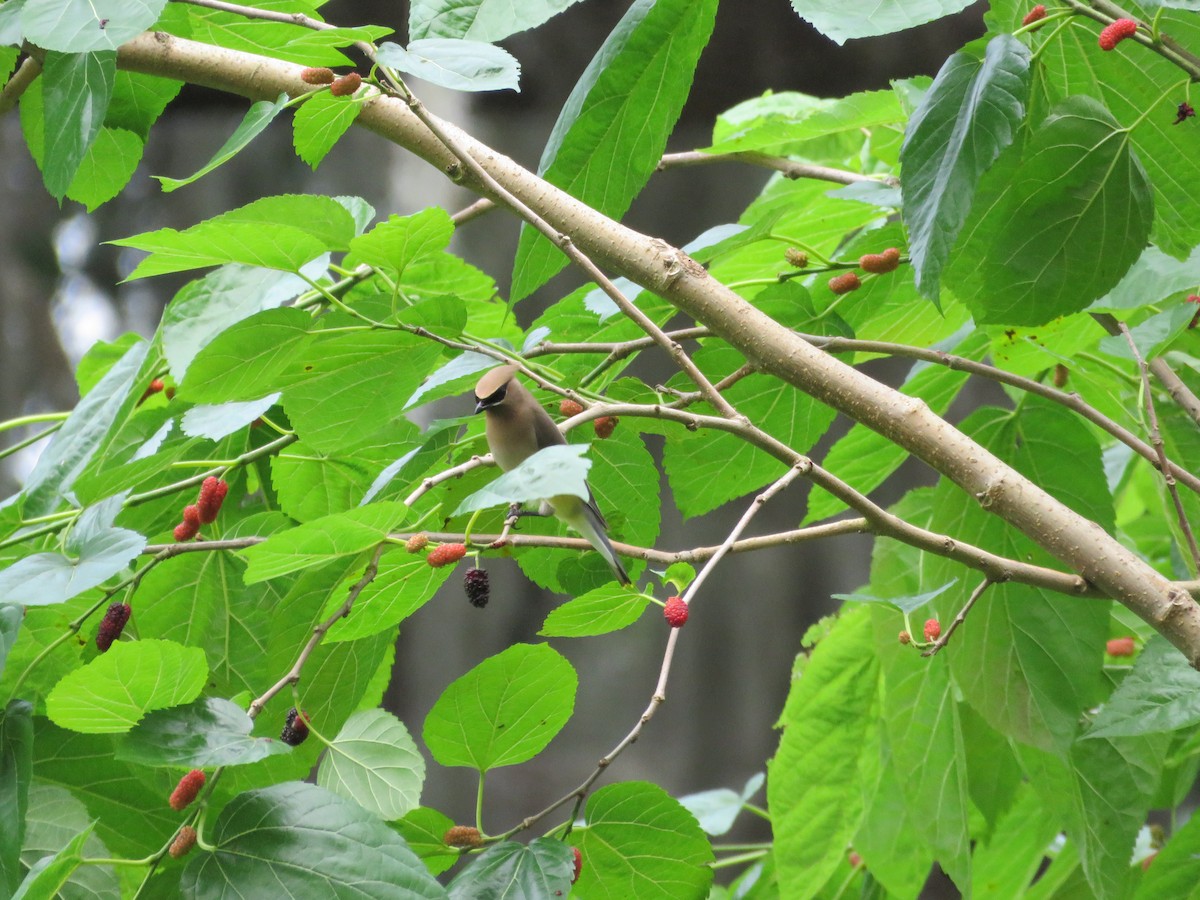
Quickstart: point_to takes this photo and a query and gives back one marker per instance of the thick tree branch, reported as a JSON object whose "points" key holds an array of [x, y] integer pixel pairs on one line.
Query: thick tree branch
{"points": [[1081, 543]]}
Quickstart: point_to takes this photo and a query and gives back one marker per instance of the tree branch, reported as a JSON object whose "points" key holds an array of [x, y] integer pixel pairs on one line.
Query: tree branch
{"points": [[1000, 489]]}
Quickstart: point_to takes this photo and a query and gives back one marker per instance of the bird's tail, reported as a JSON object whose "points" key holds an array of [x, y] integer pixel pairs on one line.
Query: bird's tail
{"points": [[589, 523]]}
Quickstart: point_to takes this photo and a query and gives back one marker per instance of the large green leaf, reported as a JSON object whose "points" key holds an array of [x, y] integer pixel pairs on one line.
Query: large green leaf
{"points": [[16, 766], [55, 818], [608, 608], [1027, 659], [1134, 83], [374, 762], [640, 842], [321, 541], [402, 585], [50, 873], [508, 869], [95, 551], [401, 240], [208, 733], [842, 21], [925, 741], [283, 232], [76, 94], [80, 26], [776, 122], [613, 128], [114, 691], [504, 711], [1056, 223], [812, 783], [560, 470], [1162, 693], [479, 20], [300, 840], [967, 117], [455, 63], [127, 802], [74, 445]]}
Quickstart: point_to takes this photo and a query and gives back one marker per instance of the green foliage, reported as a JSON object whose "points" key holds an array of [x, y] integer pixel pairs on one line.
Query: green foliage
{"points": [[1039, 191]]}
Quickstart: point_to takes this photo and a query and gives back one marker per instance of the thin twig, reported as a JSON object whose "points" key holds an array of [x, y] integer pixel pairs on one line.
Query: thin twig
{"points": [[318, 634], [960, 618], [660, 689], [789, 167], [1157, 441]]}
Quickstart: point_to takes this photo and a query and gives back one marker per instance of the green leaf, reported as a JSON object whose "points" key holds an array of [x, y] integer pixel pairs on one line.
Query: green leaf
{"points": [[10, 627], [1153, 278], [1016, 850], [776, 122], [401, 240], [223, 419], [639, 842], [717, 809], [251, 358], [374, 762], [708, 469], [322, 540], [283, 232], [504, 711], [95, 551], [967, 117], [49, 874], [79, 26], [1029, 660], [299, 840], [925, 741], [347, 387], [613, 128], [106, 167], [480, 20], [840, 21], [551, 472], [16, 766], [138, 100], [1057, 225], [257, 118], [318, 124], [200, 600], [115, 690], [76, 93], [1114, 784], [813, 792], [1132, 85], [205, 307], [460, 65], [608, 608], [403, 585], [508, 869], [424, 829], [128, 804], [210, 732], [55, 817], [1162, 693]]}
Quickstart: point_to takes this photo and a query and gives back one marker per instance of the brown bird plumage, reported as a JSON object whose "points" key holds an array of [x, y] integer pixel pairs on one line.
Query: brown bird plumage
{"points": [[518, 427]]}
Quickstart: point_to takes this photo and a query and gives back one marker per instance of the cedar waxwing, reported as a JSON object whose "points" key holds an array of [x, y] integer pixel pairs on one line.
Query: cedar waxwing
{"points": [[518, 427]]}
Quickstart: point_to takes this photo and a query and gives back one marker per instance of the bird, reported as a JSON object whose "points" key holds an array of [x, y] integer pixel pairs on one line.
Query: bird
{"points": [[518, 427]]}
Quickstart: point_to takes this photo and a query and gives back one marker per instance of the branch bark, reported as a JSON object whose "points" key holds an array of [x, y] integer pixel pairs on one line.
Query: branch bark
{"points": [[654, 264]]}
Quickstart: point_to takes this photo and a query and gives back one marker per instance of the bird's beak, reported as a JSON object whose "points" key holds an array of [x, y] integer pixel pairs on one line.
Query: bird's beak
{"points": [[478, 406]]}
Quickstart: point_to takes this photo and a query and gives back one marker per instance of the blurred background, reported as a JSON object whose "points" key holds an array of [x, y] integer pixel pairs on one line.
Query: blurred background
{"points": [[60, 292]]}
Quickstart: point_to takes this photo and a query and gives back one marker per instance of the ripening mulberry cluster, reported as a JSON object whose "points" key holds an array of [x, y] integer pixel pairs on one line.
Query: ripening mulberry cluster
{"points": [[204, 510], [475, 583], [112, 625], [186, 791]]}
